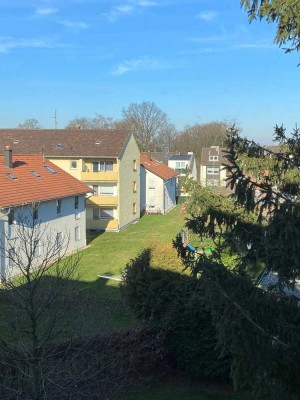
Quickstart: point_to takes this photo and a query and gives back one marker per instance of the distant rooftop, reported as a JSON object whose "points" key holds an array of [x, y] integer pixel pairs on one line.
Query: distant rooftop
{"points": [[182, 157], [65, 142]]}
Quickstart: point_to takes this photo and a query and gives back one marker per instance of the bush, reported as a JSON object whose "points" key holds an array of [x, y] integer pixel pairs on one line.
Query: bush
{"points": [[96, 367], [173, 303]]}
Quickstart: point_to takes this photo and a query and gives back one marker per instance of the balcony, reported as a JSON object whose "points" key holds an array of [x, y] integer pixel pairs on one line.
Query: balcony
{"points": [[99, 176], [102, 201], [103, 224]]}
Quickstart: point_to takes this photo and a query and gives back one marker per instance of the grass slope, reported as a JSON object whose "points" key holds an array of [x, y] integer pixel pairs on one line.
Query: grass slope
{"points": [[109, 252]]}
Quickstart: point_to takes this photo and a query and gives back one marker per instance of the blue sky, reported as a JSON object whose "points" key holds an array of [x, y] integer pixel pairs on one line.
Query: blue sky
{"points": [[198, 60]]}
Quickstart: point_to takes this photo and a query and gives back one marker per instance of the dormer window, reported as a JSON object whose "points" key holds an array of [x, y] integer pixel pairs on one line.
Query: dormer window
{"points": [[213, 158]]}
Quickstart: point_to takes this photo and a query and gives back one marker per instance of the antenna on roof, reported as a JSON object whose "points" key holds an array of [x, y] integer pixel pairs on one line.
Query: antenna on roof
{"points": [[55, 119]]}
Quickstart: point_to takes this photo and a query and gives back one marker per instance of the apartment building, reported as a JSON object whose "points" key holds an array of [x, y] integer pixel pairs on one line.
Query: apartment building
{"points": [[35, 192], [106, 160], [212, 172]]}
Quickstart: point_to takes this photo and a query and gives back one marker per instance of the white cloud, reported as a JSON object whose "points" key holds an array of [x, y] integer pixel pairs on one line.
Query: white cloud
{"points": [[119, 11], [45, 11], [140, 64], [8, 43], [73, 25], [128, 8], [253, 46], [146, 3], [206, 15]]}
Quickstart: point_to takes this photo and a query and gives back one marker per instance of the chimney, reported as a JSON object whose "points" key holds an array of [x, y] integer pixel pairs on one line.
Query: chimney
{"points": [[8, 157], [149, 155]]}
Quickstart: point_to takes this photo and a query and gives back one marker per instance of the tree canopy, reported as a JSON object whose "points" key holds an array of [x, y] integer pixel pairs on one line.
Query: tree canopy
{"points": [[98, 122], [149, 124], [30, 123], [284, 13]]}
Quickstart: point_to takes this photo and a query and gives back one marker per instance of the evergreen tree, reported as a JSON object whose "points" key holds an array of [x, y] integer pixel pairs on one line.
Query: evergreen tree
{"points": [[259, 226]]}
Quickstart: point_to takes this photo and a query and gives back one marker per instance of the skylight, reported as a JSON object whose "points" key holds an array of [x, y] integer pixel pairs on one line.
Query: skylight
{"points": [[59, 146], [11, 176], [49, 169], [35, 174]]}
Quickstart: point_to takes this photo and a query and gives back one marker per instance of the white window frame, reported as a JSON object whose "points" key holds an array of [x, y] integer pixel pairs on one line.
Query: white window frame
{"points": [[102, 191], [213, 158], [77, 233], [71, 164], [214, 170], [151, 183]]}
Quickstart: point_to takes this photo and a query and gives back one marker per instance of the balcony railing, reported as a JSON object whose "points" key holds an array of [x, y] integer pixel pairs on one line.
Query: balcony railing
{"points": [[103, 201], [99, 176]]}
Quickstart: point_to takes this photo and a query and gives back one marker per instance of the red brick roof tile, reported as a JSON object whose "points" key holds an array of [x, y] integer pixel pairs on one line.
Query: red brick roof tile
{"points": [[157, 167], [28, 188]]}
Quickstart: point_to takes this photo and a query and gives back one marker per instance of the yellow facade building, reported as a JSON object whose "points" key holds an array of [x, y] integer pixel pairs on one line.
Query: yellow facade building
{"points": [[107, 161]]}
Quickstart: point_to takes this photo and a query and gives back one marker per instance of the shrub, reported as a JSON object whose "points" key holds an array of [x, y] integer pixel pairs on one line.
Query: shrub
{"points": [[173, 303]]}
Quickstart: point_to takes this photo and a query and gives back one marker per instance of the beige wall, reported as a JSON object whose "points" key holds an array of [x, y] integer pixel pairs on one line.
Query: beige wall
{"points": [[127, 175], [65, 164], [123, 176]]}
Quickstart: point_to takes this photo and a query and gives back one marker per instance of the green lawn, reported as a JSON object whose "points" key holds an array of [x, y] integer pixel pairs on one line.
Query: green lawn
{"points": [[92, 303], [109, 252]]}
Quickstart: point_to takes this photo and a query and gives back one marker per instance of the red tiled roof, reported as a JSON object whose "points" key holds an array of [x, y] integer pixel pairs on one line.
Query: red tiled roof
{"points": [[157, 167], [65, 142], [28, 188]]}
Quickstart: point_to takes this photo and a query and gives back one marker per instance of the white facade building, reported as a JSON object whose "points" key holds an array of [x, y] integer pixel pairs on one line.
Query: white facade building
{"points": [[158, 186], [40, 204]]}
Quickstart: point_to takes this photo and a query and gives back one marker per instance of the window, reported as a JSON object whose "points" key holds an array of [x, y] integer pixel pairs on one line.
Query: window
{"points": [[134, 165], [96, 213], [36, 248], [11, 216], [106, 166], [11, 256], [58, 206], [77, 233], [73, 164], [95, 166], [76, 202], [103, 166], [106, 190], [107, 213], [35, 212], [213, 158], [212, 170], [37, 175], [49, 169], [134, 187], [59, 239], [152, 202], [103, 213], [180, 165], [96, 190], [134, 208], [151, 184]]}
